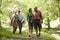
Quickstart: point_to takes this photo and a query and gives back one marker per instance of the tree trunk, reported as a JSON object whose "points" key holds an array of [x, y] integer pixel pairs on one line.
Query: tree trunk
{"points": [[48, 24]]}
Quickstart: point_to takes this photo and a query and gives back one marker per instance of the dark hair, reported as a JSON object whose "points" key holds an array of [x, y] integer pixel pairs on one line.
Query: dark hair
{"points": [[30, 9], [19, 11], [35, 8]]}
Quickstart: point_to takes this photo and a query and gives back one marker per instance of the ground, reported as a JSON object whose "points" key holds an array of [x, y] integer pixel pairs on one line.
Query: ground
{"points": [[7, 34]]}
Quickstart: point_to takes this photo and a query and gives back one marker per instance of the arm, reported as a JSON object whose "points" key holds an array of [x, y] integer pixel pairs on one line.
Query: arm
{"points": [[12, 20], [41, 17], [27, 17], [22, 18]]}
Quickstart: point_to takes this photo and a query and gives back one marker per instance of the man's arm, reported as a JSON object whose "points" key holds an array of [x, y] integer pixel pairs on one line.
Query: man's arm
{"points": [[41, 17], [22, 18]]}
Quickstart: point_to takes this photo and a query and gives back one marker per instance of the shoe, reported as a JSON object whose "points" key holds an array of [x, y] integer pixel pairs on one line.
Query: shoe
{"points": [[20, 33], [13, 32], [39, 34], [29, 36]]}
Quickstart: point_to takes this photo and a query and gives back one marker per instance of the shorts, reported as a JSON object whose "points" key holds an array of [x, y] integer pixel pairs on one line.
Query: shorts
{"points": [[37, 24], [30, 24]]}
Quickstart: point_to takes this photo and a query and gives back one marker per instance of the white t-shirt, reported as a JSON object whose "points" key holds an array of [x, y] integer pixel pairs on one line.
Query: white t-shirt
{"points": [[21, 18]]}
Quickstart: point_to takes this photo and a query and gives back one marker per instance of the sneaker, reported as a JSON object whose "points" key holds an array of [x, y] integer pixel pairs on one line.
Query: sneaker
{"points": [[20, 33], [13, 32], [39, 34], [29, 36]]}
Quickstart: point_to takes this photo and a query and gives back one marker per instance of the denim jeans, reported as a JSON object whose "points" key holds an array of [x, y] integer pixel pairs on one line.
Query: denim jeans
{"points": [[20, 26]]}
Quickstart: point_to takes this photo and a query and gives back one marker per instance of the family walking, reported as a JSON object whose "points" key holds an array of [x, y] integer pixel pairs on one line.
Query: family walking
{"points": [[34, 19]]}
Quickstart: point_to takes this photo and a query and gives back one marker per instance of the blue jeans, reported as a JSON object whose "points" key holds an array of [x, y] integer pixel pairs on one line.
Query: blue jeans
{"points": [[20, 26]]}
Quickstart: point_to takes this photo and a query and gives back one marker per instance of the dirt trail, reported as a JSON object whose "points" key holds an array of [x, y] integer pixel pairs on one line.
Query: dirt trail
{"points": [[56, 36]]}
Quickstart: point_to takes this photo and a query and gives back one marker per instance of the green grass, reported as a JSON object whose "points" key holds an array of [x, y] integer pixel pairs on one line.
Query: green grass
{"points": [[52, 31], [5, 33], [46, 36]]}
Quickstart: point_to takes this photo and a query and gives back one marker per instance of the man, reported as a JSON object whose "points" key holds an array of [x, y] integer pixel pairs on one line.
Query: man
{"points": [[37, 20], [20, 21]]}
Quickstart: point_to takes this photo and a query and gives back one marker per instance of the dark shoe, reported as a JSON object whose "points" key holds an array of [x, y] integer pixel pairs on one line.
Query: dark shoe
{"points": [[20, 33], [39, 34], [29, 36], [13, 32]]}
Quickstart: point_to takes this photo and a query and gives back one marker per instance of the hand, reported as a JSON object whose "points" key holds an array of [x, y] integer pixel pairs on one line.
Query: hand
{"points": [[11, 23], [31, 21], [41, 21], [23, 21]]}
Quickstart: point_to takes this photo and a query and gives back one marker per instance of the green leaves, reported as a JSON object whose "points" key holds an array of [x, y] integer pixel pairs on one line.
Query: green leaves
{"points": [[49, 8]]}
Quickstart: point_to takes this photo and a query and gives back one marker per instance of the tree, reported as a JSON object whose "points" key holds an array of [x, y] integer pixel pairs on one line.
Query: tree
{"points": [[51, 11], [49, 8], [0, 12]]}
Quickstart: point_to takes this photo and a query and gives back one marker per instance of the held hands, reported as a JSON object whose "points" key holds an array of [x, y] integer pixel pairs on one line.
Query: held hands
{"points": [[31, 21], [23, 21], [41, 21]]}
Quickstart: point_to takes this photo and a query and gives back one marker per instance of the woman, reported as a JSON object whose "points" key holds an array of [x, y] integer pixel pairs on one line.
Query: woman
{"points": [[30, 24], [14, 22]]}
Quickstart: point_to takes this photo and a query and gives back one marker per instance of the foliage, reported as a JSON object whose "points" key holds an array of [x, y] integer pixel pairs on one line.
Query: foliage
{"points": [[52, 31], [49, 8]]}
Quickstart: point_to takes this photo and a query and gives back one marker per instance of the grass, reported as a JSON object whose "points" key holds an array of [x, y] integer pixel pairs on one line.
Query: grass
{"points": [[46, 36], [5, 33], [51, 31]]}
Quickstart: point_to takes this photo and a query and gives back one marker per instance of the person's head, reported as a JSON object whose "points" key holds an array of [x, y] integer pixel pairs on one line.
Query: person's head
{"points": [[35, 9], [19, 12], [15, 13], [30, 10]]}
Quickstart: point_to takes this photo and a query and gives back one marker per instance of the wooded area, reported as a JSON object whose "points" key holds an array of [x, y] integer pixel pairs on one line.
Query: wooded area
{"points": [[49, 8]]}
